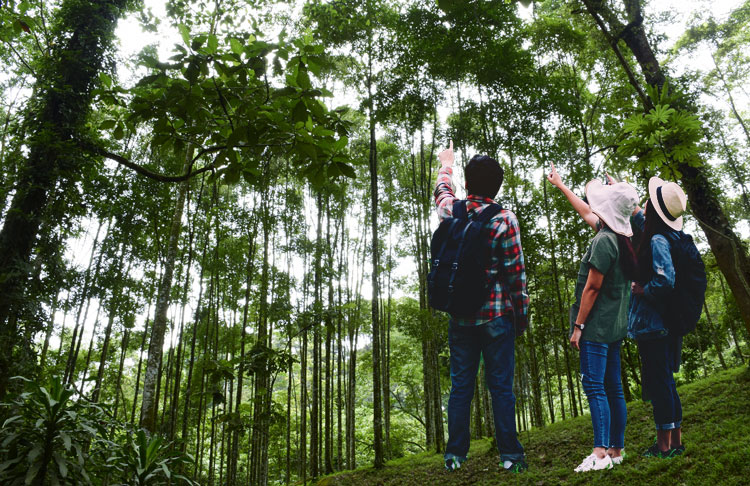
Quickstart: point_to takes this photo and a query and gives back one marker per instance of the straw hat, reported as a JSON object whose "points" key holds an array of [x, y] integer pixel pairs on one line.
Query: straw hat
{"points": [[668, 200], [614, 204]]}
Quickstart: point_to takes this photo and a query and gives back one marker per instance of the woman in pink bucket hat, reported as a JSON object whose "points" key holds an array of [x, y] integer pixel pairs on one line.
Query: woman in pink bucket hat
{"points": [[599, 315]]}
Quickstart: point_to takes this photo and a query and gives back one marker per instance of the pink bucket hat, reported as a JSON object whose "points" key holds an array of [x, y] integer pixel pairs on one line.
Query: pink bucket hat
{"points": [[614, 204]]}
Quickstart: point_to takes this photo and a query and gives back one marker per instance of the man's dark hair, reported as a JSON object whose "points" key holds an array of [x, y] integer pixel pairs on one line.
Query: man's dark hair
{"points": [[484, 176]]}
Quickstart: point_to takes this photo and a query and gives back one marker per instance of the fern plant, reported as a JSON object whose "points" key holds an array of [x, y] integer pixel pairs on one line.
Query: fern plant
{"points": [[53, 436], [148, 461], [47, 437], [663, 138]]}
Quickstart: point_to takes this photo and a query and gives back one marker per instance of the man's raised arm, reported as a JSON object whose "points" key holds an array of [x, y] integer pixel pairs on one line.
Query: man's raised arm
{"points": [[444, 189]]}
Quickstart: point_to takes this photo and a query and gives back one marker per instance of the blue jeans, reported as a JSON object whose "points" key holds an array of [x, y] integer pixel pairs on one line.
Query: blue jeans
{"points": [[600, 377], [660, 359], [494, 341]]}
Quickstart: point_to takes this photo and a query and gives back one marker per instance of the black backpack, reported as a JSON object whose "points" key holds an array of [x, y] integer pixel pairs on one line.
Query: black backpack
{"points": [[457, 282], [685, 304]]}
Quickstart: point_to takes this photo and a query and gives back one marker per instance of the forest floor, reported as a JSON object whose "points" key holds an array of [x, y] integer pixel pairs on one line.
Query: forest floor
{"points": [[716, 436]]}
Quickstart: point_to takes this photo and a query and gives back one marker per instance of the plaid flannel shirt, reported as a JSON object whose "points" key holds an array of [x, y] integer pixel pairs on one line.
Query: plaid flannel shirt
{"points": [[508, 293]]}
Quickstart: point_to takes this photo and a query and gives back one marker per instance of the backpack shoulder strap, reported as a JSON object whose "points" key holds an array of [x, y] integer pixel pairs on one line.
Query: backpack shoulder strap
{"points": [[459, 209], [488, 213]]}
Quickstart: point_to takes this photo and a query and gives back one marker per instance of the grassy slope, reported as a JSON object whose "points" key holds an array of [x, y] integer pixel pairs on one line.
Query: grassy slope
{"points": [[716, 435]]}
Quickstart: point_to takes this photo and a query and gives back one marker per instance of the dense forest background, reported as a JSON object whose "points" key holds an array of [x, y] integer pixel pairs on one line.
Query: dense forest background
{"points": [[214, 250]]}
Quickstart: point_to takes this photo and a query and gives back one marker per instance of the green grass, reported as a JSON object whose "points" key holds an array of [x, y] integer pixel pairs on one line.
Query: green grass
{"points": [[716, 433]]}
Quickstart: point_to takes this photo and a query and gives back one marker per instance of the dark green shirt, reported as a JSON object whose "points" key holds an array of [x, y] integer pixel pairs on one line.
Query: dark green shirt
{"points": [[608, 320]]}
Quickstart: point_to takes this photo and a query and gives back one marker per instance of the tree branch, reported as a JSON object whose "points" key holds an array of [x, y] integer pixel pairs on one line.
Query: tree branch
{"points": [[223, 103], [97, 150], [408, 412], [596, 13], [148, 173], [606, 147]]}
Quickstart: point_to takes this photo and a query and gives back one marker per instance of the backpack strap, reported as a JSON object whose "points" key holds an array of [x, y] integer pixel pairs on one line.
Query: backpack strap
{"points": [[454, 267], [459, 209], [488, 213]]}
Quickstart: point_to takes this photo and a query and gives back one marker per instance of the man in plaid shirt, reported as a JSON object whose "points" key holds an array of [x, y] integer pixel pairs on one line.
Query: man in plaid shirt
{"points": [[490, 332]]}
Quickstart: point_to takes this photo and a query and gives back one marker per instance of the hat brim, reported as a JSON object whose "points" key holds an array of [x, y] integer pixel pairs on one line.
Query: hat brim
{"points": [[653, 184]]}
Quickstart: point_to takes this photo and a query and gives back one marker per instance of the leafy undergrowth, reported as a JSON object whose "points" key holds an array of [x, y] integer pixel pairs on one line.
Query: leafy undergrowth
{"points": [[716, 434]]}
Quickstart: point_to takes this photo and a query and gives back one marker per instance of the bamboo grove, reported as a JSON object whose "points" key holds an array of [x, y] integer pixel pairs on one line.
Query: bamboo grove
{"points": [[214, 252]]}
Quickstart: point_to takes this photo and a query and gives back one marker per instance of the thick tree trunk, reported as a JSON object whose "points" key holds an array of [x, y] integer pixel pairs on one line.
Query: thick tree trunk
{"points": [[58, 108]]}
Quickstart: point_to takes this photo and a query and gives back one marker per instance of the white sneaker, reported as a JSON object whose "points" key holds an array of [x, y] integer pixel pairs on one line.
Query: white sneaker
{"points": [[617, 460], [593, 463]]}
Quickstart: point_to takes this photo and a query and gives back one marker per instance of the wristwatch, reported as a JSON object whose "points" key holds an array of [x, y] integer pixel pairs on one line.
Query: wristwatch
{"points": [[580, 326]]}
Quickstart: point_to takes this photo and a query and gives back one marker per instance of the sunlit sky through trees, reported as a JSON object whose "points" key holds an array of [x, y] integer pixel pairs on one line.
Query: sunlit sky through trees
{"points": [[673, 15]]}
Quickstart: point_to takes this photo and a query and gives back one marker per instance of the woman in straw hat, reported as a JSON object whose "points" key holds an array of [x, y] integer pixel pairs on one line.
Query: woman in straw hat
{"points": [[599, 315], [660, 222]]}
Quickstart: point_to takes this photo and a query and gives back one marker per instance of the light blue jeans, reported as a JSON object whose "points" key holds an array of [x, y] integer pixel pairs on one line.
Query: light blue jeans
{"points": [[600, 376]]}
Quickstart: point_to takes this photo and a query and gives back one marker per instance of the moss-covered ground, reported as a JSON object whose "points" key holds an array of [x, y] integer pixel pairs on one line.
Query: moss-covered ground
{"points": [[716, 433]]}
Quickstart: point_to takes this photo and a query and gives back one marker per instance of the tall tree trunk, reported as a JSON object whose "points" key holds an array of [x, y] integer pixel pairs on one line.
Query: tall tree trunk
{"points": [[339, 347], [175, 404], [88, 282], [140, 365], [315, 418], [235, 441], [560, 309], [149, 402], [108, 331], [329, 427], [118, 382], [262, 405], [57, 110], [196, 321], [714, 336]]}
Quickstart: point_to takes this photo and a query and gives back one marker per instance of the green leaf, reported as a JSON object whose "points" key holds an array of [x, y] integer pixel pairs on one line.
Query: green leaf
{"points": [[213, 44], [119, 132], [285, 91], [303, 79], [192, 71], [5, 465], [299, 113], [106, 80], [660, 114], [633, 124], [31, 473], [236, 46], [66, 440], [347, 170], [11, 420], [184, 32], [62, 464], [107, 124]]}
